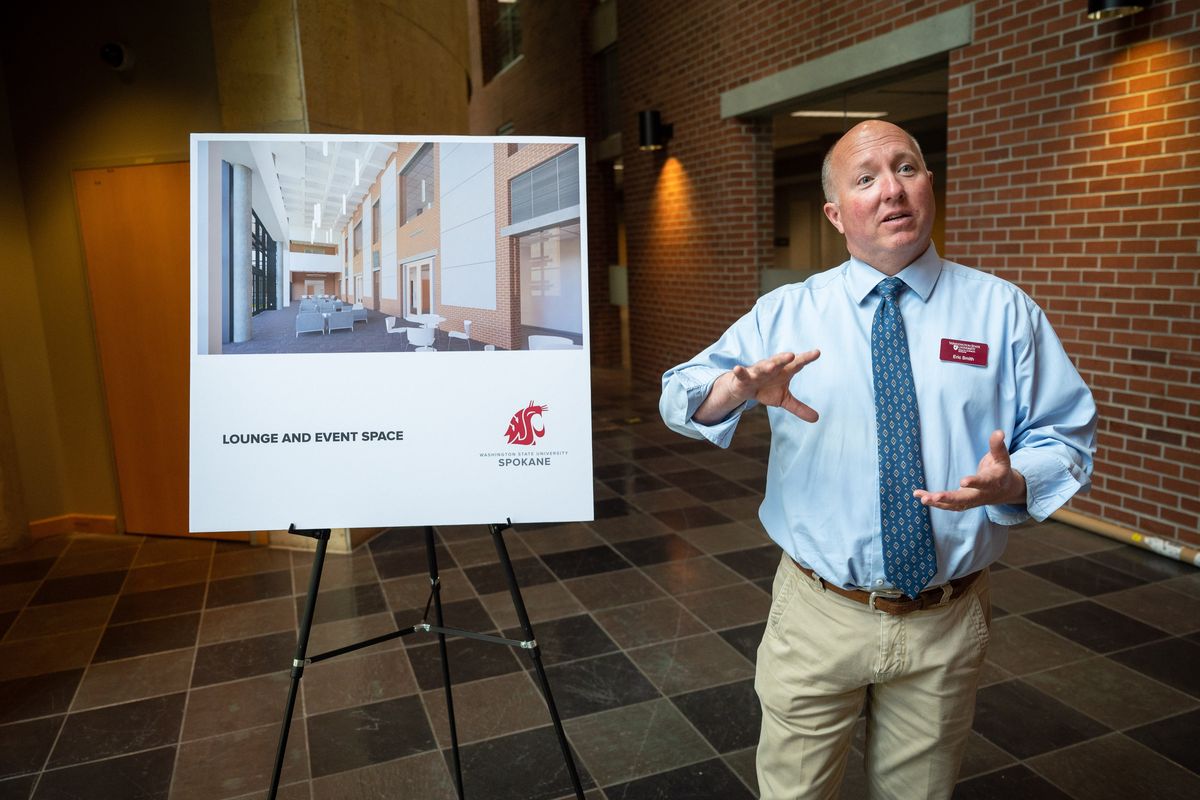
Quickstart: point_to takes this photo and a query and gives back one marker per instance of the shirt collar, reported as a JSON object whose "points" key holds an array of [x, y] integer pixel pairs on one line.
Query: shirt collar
{"points": [[920, 276]]}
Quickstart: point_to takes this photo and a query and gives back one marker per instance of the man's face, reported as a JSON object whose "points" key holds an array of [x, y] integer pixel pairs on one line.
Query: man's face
{"points": [[884, 196]]}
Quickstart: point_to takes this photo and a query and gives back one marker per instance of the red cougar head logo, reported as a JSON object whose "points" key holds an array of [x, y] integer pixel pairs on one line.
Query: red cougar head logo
{"points": [[521, 429]]}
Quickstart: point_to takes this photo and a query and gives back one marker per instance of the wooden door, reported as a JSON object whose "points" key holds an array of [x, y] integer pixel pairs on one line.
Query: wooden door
{"points": [[134, 222]]}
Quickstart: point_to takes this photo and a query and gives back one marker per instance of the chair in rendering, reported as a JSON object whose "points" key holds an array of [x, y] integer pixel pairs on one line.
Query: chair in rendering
{"points": [[464, 334], [308, 305], [421, 339], [325, 306], [543, 342], [341, 321], [310, 322], [360, 313]]}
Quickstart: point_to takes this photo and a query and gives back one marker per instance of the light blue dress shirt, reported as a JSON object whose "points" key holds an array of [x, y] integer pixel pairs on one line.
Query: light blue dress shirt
{"points": [[822, 497]]}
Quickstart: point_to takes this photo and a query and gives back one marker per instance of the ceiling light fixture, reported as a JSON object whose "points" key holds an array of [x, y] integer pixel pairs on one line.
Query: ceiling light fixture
{"points": [[1100, 10], [357, 171], [317, 214], [325, 149], [815, 114]]}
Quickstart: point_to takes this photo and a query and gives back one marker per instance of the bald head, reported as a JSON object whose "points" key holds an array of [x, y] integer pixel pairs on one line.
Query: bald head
{"points": [[862, 132]]}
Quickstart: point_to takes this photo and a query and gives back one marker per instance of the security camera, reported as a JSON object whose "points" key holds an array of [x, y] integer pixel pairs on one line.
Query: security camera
{"points": [[117, 56]]}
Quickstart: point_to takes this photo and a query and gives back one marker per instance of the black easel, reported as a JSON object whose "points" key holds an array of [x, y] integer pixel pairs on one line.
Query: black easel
{"points": [[529, 644]]}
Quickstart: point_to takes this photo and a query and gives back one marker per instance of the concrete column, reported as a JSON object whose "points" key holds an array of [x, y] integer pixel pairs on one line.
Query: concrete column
{"points": [[242, 256]]}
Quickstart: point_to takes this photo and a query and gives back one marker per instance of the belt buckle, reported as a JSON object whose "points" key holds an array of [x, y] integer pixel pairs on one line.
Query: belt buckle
{"points": [[889, 594]]}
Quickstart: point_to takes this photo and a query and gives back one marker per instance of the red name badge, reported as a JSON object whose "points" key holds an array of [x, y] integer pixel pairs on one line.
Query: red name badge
{"points": [[964, 352]]}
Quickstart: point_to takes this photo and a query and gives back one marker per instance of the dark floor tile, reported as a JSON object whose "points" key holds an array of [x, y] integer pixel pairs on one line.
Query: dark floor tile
{"points": [[1017, 781], [723, 490], [727, 716], [158, 603], [657, 549], [469, 659], [704, 781], [1142, 563], [697, 516], [1115, 767], [635, 484], [229, 661], [338, 604], [1172, 661], [587, 561], [466, 615], [25, 571], [358, 737], [25, 745], [18, 788], [522, 766], [78, 587], [1083, 576], [618, 471], [1027, 722], [6, 621], [691, 477], [396, 562], [1092, 625], [1174, 737], [491, 578], [117, 730], [141, 776], [412, 539], [647, 451], [150, 636], [248, 588], [38, 695], [612, 507], [567, 639], [760, 562], [690, 447], [597, 684], [746, 639]]}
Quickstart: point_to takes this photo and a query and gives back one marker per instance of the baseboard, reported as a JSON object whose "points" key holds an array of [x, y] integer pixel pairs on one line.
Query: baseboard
{"points": [[72, 523]]}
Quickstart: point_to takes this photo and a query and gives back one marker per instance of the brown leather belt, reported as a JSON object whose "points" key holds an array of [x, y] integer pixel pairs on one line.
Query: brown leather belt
{"points": [[895, 603]]}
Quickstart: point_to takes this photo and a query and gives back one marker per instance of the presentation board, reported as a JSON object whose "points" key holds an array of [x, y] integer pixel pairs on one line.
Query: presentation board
{"points": [[388, 330]]}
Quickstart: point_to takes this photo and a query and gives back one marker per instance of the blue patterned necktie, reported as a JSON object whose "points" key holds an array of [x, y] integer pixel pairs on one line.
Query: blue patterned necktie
{"points": [[909, 560]]}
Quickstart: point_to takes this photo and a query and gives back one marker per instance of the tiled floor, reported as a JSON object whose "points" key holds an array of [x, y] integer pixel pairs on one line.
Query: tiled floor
{"points": [[154, 668]]}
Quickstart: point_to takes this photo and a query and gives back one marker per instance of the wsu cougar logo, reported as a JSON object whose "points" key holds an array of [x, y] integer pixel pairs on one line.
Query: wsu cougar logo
{"points": [[521, 429]]}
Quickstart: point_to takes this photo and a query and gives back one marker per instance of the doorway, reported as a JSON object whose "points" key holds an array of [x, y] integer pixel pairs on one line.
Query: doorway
{"points": [[418, 287]]}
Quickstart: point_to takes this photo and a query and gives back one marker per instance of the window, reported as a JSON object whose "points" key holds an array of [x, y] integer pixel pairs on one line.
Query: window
{"points": [[548, 187], [375, 223], [416, 183], [609, 91], [508, 33], [262, 268], [358, 238]]}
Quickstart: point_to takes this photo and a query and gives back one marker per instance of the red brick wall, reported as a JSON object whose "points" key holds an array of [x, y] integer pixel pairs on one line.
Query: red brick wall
{"points": [[550, 92], [1072, 170], [1074, 157]]}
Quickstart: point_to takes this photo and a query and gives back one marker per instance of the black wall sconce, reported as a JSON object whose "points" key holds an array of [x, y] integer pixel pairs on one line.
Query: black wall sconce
{"points": [[1100, 10], [652, 133]]}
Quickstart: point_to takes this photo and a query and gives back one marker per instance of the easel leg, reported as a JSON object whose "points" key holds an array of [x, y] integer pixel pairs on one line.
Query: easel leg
{"points": [[436, 584], [536, 654], [310, 606]]}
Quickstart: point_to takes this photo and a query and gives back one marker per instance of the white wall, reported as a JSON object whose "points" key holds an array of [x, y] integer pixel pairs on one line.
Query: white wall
{"points": [[468, 225], [314, 262]]}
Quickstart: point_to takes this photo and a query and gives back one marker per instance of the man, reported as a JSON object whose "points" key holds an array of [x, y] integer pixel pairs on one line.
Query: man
{"points": [[924, 371]]}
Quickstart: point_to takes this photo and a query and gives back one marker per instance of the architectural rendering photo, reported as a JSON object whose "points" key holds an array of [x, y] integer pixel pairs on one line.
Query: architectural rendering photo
{"points": [[340, 244]]}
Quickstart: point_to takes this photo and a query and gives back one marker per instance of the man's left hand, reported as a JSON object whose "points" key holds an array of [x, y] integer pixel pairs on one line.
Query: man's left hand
{"points": [[995, 482]]}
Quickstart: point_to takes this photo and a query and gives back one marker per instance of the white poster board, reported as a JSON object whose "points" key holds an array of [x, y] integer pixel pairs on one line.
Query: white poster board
{"points": [[306, 409]]}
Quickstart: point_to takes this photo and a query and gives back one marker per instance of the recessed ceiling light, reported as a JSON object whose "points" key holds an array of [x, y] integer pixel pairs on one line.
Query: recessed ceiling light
{"points": [[840, 114]]}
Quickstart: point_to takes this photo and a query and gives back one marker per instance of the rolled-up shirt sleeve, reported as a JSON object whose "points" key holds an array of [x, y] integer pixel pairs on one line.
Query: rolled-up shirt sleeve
{"points": [[1054, 434], [685, 387]]}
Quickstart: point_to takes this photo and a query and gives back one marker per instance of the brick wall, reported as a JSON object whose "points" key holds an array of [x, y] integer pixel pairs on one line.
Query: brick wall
{"points": [[1072, 171], [550, 91]]}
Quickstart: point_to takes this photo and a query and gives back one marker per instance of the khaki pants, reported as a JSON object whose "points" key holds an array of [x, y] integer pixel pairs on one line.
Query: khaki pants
{"points": [[823, 657]]}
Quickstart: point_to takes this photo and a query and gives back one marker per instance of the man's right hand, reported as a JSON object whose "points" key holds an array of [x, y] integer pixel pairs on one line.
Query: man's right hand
{"points": [[767, 382]]}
